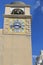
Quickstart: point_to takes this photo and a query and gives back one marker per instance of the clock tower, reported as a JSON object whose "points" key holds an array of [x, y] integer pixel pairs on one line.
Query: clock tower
{"points": [[16, 35]]}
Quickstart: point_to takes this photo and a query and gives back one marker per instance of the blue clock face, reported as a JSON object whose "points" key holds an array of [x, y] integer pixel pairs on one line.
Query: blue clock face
{"points": [[17, 26]]}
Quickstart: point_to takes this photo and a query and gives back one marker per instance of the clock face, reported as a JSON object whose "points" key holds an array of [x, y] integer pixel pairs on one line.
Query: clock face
{"points": [[17, 26]]}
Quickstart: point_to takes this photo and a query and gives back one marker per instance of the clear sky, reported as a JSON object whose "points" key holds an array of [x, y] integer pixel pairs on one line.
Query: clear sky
{"points": [[37, 22]]}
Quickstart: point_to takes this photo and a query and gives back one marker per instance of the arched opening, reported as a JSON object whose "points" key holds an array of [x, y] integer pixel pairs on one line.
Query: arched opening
{"points": [[17, 11]]}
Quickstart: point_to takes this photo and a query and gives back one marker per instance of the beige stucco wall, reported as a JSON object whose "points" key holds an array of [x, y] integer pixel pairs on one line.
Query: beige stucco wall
{"points": [[1, 31], [15, 50], [7, 10], [27, 11]]}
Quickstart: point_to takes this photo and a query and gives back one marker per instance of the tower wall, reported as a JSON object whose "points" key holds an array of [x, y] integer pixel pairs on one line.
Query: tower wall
{"points": [[15, 50]]}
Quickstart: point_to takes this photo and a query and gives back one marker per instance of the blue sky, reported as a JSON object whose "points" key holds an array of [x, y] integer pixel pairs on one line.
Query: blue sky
{"points": [[37, 22]]}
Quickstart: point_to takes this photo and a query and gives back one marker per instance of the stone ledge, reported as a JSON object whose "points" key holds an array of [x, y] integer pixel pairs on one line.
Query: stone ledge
{"points": [[18, 16]]}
